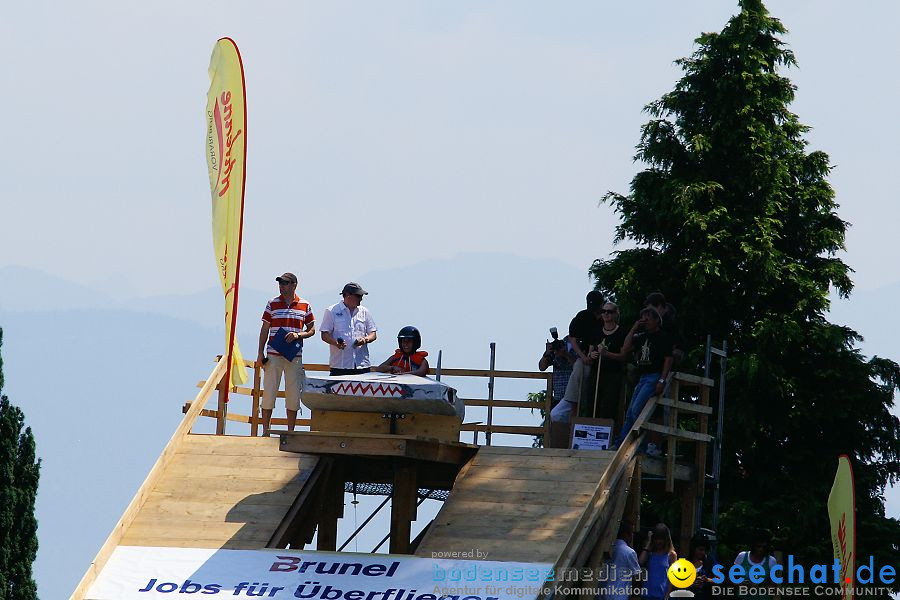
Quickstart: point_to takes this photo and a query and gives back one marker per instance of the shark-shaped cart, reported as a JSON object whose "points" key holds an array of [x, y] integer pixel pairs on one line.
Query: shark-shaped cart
{"points": [[384, 403]]}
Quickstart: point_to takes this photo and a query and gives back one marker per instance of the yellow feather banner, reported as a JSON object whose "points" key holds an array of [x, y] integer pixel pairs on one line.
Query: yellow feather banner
{"points": [[226, 152], [842, 514]]}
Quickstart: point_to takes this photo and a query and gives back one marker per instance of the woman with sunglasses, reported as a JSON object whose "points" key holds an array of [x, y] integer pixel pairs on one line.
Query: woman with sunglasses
{"points": [[609, 373]]}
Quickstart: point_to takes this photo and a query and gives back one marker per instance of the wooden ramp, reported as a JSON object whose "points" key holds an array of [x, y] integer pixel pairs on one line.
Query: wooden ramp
{"points": [[517, 504], [220, 492]]}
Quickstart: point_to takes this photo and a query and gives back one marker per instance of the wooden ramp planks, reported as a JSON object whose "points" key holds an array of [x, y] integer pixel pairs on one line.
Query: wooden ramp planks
{"points": [[220, 492], [516, 504]]}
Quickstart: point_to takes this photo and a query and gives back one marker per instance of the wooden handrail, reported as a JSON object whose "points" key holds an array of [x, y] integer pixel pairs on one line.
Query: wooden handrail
{"points": [[489, 427], [184, 428], [587, 529], [449, 372]]}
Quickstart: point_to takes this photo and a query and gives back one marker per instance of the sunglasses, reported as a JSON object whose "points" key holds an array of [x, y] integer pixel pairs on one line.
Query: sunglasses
{"points": [[608, 312]]}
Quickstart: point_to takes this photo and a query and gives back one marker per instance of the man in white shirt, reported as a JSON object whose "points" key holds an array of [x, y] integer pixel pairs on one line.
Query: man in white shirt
{"points": [[348, 329]]}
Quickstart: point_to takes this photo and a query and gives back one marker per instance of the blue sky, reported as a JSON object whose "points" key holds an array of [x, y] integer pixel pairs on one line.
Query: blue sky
{"points": [[464, 126]]}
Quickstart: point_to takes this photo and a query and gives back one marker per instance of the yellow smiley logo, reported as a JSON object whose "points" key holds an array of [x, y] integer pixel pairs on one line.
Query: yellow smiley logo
{"points": [[682, 573]]}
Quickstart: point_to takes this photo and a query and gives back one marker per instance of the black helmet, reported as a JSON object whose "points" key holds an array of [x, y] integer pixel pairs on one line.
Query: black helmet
{"points": [[410, 333]]}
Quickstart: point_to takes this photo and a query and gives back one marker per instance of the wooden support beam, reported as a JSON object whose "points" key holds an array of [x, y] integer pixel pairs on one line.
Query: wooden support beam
{"points": [[418, 539], [296, 523], [657, 468], [688, 516], [403, 506], [222, 408], [513, 429], [672, 441], [679, 433], [332, 509], [439, 427], [361, 444], [503, 403], [238, 418], [255, 419], [687, 406], [548, 405], [694, 379]]}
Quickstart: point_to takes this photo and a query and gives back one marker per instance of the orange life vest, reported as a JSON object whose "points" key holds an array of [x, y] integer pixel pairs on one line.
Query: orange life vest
{"points": [[407, 362]]}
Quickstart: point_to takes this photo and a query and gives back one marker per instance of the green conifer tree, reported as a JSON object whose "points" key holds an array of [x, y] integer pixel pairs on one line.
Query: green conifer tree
{"points": [[735, 221], [19, 471]]}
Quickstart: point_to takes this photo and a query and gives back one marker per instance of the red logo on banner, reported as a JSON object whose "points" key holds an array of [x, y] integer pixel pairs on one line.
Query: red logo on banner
{"points": [[225, 130]]}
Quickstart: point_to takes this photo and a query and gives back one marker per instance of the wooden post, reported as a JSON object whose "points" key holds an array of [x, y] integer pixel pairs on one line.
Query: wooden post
{"points": [[403, 506], [548, 403], [223, 403], [490, 410], [256, 393], [332, 509], [670, 450], [688, 517]]}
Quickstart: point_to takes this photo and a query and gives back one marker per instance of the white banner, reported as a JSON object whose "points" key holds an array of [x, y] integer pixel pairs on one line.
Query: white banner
{"points": [[142, 573]]}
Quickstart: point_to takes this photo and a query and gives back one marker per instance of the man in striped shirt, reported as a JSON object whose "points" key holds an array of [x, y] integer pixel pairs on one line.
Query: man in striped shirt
{"points": [[293, 314]]}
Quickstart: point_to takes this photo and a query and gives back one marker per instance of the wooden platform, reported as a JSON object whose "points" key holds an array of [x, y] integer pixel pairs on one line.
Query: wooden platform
{"points": [[220, 492], [516, 504], [376, 445]]}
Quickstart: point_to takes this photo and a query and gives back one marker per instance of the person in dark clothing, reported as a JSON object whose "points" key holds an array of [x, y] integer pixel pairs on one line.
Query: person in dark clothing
{"points": [[667, 312], [703, 563], [585, 333], [609, 371], [653, 357]]}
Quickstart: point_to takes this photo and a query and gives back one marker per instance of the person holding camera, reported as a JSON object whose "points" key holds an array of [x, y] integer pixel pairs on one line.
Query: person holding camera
{"points": [[559, 355], [585, 333], [349, 328], [292, 313]]}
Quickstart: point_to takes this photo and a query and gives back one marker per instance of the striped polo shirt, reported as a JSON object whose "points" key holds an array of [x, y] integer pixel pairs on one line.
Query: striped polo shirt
{"points": [[296, 317]]}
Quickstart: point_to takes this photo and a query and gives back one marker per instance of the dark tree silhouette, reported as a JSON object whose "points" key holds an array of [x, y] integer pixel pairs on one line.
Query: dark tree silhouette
{"points": [[734, 219], [19, 471]]}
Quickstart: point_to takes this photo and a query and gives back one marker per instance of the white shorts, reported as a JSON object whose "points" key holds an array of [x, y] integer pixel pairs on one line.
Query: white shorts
{"points": [[294, 381]]}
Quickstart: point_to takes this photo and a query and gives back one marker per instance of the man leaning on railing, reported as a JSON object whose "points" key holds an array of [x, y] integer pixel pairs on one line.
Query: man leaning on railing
{"points": [[653, 357]]}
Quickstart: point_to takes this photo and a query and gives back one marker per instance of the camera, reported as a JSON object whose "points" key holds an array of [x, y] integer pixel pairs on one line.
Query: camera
{"points": [[557, 343]]}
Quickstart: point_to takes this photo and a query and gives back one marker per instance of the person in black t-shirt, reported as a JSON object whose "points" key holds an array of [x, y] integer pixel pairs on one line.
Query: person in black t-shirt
{"points": [[667, 311], [585, 333], [653, 356]]}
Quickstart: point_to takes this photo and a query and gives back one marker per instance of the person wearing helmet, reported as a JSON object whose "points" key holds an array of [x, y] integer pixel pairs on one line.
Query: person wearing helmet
{"points": [[408, 358]]}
